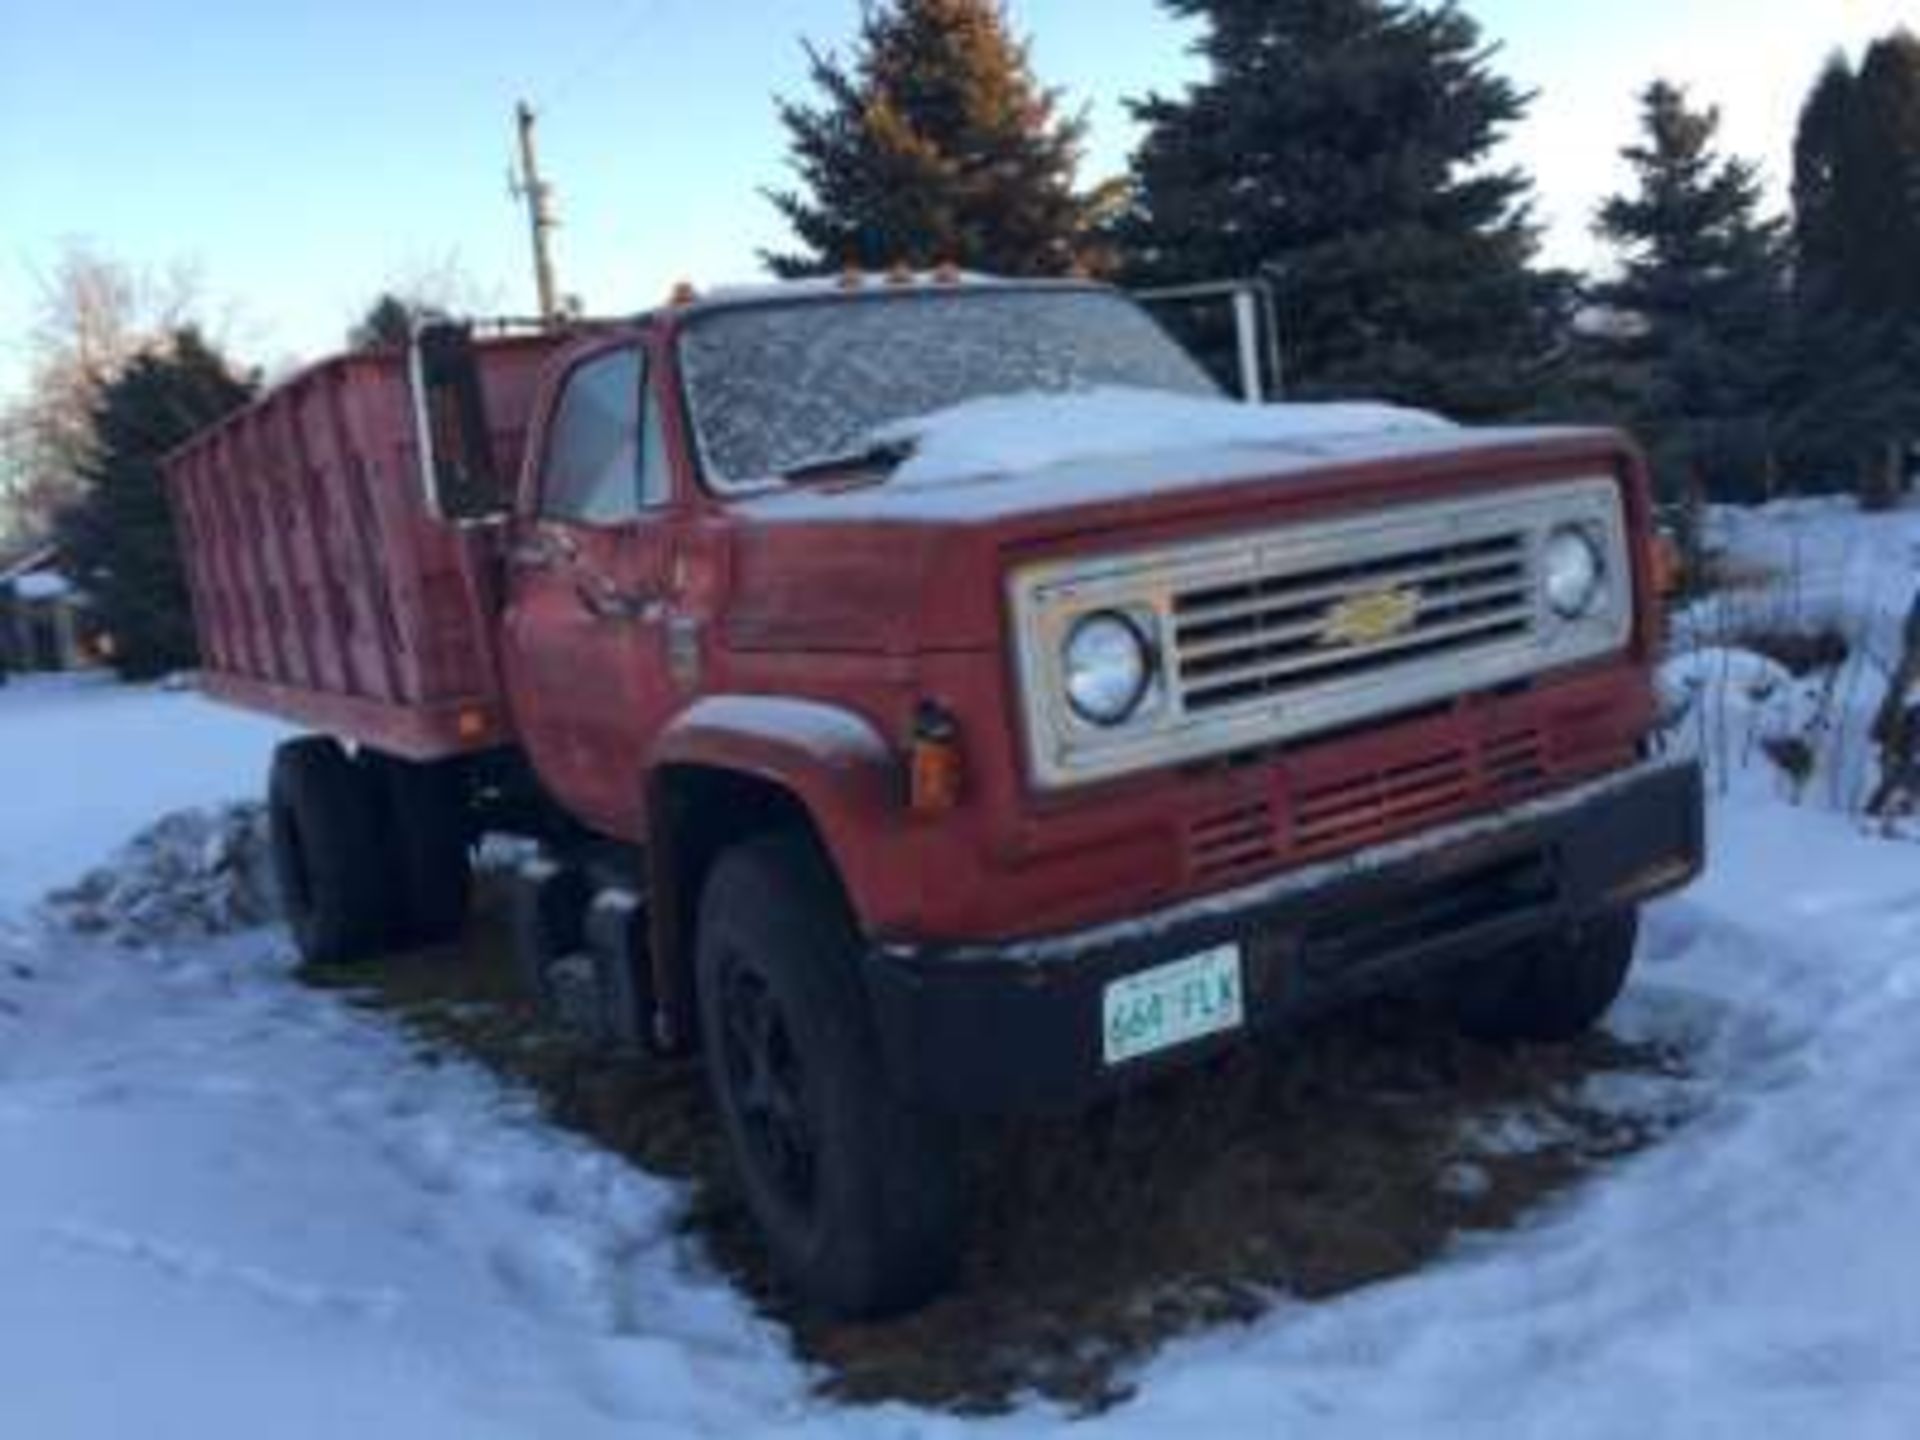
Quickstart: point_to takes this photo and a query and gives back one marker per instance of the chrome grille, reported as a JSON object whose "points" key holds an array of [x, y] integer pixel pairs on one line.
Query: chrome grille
{"points": [[1267, 635], [1272, 635]]}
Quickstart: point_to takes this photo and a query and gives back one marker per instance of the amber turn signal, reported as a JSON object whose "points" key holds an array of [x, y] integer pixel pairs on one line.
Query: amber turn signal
{"points": [[935, 772], [1667, 566]]}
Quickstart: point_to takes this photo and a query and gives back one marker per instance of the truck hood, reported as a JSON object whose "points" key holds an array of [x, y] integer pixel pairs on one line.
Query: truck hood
{"points": [[914, 562]]}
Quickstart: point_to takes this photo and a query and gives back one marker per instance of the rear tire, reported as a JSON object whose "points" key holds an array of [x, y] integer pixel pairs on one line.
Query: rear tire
{"points": [[1553, 989], [428, 839], [856, 1192], [329, 857]]}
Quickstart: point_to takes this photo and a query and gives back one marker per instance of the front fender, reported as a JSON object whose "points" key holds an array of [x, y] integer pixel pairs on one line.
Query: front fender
{"points": [[833, 761]]}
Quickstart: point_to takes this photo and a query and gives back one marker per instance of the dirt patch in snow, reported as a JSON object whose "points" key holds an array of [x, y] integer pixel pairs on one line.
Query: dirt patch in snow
{"points": [[1355, 1152]]}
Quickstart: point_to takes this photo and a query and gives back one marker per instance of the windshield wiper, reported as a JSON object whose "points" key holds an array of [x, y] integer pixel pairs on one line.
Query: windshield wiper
{"points": [[875, 460]]}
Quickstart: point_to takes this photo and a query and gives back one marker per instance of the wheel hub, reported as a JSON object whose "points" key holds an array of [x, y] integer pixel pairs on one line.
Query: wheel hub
{"points": [[768, 1085]]}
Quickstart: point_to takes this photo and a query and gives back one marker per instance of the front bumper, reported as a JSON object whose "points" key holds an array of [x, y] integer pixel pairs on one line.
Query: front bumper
{"points": [[1017, 1026]]}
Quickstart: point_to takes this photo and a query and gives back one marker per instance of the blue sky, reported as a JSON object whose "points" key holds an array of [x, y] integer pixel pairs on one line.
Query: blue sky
{"points": [[304, 156]]}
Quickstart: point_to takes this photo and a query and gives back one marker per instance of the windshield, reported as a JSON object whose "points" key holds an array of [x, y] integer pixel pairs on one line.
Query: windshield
{"points": [[771, 388]]}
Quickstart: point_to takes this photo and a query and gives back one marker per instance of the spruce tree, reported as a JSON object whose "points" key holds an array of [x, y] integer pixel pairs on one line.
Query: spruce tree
{"points": [[1700, 299], [933, 143], [1341, 148], [1821, 171], [1856, 232], [119, 539], [1886, 195]]}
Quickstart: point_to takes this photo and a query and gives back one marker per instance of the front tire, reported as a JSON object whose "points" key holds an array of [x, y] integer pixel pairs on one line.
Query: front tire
{"points": [[856, 1192], [329, 856], [1551, 989]]}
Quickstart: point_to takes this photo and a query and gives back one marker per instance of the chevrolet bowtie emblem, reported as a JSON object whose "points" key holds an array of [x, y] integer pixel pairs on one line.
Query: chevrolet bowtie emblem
{"points": [[1369, 618]]}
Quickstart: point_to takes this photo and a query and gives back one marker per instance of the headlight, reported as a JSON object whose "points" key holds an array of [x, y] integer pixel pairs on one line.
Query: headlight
{"points": [[1108, 667], [1572, 572]]}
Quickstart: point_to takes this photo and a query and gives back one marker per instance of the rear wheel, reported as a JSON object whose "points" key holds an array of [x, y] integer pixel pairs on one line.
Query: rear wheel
{"points": [[856, 1192], [324, 825], [1552, 989], [428, 840]]}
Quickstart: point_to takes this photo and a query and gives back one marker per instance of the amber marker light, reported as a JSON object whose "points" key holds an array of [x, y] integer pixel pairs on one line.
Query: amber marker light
{"points": [[1667, 566], [935, 772]]}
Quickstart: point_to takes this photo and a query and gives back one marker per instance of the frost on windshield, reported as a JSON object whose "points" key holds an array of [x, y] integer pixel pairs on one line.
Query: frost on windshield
{"points": [[771, 387]]}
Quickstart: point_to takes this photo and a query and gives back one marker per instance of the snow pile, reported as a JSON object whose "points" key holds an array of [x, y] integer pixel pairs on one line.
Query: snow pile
{"points": [[1015, 433], [1752, 723], [1824, 587], [1805, 566], [86, 763], [193, 875]]}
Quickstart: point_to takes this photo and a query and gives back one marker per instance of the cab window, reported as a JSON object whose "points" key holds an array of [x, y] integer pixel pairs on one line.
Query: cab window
{"points": [[592, 470]]}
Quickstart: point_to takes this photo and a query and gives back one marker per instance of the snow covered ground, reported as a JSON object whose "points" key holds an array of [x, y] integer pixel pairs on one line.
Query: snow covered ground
{"points": [[85, 763], [232, 1205], [1814, 569]]}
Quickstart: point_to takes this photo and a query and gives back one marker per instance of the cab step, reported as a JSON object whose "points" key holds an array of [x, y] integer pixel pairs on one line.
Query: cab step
{"points": [[581, 949]]}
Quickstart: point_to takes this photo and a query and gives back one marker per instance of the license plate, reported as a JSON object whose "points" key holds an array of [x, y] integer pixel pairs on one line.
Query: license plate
{"points": [[1172, 1004]]}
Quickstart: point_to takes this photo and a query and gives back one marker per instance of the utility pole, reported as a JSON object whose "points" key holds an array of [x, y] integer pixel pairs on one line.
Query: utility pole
{"points": [[540, 222]]}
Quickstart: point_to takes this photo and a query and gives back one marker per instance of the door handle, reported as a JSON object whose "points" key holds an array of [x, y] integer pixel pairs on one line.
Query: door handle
{"points": [[542, 550], [530, 555], [606, 601]]}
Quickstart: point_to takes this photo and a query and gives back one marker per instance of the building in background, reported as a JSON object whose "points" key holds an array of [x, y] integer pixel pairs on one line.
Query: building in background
{"points": [[44, 623]]}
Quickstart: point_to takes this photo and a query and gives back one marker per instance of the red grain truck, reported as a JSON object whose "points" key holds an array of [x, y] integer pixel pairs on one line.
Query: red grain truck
{"points": [[906, 764]]}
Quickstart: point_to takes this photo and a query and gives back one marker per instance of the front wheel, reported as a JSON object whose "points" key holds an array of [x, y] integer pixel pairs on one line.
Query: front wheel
{"points": [[1553, 988], [855, 1191]]}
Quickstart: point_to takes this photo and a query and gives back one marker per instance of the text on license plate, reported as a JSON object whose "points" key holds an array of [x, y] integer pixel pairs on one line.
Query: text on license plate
{"points": [[1173, 1003]]}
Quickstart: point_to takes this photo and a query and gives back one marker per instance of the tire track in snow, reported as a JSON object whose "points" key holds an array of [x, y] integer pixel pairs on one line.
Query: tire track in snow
{"points": [[204, 1267]]}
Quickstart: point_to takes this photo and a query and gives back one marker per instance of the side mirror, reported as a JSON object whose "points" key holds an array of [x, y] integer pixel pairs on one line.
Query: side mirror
{"points": [[457, 472]]}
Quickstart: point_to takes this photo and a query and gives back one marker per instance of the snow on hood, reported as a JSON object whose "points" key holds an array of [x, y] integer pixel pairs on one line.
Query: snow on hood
{"points": [[1032, 432]]}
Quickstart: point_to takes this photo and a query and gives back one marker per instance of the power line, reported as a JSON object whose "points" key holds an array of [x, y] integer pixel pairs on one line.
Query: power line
{"points": [[527, 184], [596, 61]]}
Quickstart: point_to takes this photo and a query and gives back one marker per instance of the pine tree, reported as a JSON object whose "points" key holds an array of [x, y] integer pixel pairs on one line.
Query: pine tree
{"points": [[934, 143], [1341, 147], [388, 321], [1886, 194], [1856, 286], [1702, 299], [1820, 170], [119, 539]]}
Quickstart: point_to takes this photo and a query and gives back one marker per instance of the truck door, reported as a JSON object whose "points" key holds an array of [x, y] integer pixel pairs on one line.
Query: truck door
{"points": [[588, 589]]}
